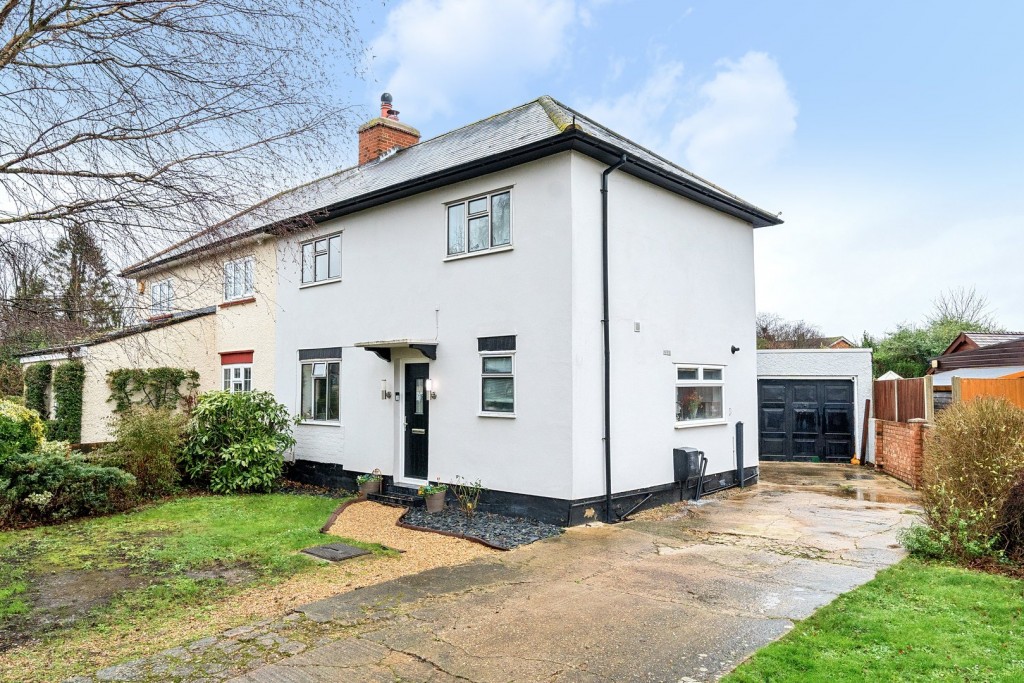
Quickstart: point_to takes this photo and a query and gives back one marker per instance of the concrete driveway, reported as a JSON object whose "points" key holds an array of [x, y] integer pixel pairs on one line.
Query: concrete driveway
{"points": [[680, 594]]}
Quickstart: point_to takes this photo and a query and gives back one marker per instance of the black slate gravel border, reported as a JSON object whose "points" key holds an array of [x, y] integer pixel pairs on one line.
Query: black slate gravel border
{"points": [[496, 531]]}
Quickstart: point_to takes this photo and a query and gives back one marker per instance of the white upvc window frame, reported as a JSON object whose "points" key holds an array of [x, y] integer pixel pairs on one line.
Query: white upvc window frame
{"points": [[468, 217], [239, 278], [161, 296], [695, 383], [484, 376], [237, 377], [325, 377], [310, 252]]}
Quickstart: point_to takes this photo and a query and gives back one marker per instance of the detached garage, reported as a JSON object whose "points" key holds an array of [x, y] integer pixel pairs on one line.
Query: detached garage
{"points": [[811, 403]]}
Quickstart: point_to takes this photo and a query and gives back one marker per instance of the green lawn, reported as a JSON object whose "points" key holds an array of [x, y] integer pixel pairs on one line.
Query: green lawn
{"points": [[913, 622], [147, 568]]}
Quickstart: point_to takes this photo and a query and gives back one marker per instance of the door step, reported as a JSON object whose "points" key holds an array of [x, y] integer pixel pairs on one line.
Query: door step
{"points": [[398, 497]]}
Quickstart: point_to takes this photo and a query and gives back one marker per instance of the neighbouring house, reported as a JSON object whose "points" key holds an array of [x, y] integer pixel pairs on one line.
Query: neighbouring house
{"points": [[975, 355], [531, 300], [811, 403], [809, 343]]}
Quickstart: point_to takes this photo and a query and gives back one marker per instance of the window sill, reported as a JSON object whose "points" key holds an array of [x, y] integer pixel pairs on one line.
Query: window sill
{"points": [[507, 416], [484, 252], [321, 282], [700, 423], [319, 423], [238, 302]]}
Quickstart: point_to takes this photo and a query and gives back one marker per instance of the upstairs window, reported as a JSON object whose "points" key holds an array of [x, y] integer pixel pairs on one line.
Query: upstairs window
{"points": [[699, 394], [161, 296], [480, 224], [497, 380], [321, 259], [239, 278]]}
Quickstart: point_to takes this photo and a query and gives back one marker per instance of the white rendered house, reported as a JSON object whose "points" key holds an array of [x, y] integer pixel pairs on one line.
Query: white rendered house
{"points": [[440, 311]]}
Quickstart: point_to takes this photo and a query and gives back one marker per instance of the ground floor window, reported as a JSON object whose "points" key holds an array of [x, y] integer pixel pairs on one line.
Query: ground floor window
{"points": [[699, 394], [321, 390], [237, 377], [497, 376]]}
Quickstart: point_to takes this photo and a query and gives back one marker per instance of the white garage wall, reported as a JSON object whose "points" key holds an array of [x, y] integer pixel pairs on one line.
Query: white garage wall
{"points": [[852, 364]]}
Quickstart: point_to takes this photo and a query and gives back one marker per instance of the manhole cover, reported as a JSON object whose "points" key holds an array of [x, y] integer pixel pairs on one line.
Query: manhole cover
{"points": [[335, 552]]}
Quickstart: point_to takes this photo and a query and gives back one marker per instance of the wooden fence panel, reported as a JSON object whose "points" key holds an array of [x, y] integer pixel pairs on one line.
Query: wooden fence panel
{"points": [[1010, 389], [910, 394], [885, 399]]}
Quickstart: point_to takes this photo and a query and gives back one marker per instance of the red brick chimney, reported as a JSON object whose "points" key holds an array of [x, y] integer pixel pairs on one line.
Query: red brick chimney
{"points": [[379, 136]]}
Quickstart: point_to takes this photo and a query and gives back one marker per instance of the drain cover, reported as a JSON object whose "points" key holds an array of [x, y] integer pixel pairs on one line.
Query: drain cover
{"points": [[335, 552]]}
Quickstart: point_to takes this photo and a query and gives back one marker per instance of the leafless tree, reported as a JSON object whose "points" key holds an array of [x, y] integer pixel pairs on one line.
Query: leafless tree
{"points": [[962, 308], [775, 332], [143, 121]]}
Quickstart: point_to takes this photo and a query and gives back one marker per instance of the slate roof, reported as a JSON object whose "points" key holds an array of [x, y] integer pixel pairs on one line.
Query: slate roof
{"points": [[528, 126], [983, 339]]}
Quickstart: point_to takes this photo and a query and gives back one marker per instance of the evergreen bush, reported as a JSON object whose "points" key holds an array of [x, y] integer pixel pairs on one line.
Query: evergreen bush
{"points": [[235, 442], [147, 444], [972, 460], [21, 429]]}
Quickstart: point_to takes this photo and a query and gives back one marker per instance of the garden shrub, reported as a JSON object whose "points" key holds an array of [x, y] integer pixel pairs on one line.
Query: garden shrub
{"points": [[236, 441], [52, 485], [21, 429], [1011, 519], [147, 444], [971, 462]]}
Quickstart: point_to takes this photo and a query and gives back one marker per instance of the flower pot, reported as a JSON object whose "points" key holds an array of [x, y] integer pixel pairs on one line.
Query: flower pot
{"points": [[435, 501], [369, 487]]}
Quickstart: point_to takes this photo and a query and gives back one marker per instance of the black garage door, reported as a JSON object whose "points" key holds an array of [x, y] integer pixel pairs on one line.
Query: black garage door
{"points": [[806, 419]]}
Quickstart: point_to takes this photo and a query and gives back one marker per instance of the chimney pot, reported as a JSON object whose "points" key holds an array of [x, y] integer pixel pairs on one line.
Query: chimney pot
{"points": [[384, 133]]}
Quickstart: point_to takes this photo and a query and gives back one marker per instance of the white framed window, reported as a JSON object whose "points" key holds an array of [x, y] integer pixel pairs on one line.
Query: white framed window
{"points": [[700, 394], [497, 376], [479, 224], [237, 377], [320, 395], [239, 278], [161, 296], [321, 259]]}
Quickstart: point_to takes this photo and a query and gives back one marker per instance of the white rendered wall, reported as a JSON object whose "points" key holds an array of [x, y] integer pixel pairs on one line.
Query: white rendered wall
{"points": [[854, 364], [397, 284], [686, 274]]}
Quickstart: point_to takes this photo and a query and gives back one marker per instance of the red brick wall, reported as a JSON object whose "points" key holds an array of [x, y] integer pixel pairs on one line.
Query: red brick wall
{"points": [[899, 449], [380, 136]]}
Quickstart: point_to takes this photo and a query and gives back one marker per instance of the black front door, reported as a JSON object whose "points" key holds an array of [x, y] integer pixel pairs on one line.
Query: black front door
{"points": [[417, 418], [806, 420]]}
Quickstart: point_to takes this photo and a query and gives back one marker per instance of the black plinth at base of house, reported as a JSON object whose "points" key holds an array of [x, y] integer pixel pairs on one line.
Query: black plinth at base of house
{"points": [[560, 511]]}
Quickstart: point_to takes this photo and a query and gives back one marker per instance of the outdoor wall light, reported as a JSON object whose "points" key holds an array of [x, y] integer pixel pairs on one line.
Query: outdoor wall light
{"points": [[431, 389], [384, 393]]}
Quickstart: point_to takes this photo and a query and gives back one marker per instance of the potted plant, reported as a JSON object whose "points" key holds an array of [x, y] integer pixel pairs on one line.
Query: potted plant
{"points": [[693, 403], [369, 483], [433, 495]]}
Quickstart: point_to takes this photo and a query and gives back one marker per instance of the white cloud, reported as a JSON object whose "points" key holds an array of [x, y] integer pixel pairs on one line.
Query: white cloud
{"points": [[633, 113], [746, 118], [432, 54]]}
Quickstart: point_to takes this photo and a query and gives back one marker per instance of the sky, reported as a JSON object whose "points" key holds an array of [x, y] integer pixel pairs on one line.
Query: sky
{"points": [[889, 135]]}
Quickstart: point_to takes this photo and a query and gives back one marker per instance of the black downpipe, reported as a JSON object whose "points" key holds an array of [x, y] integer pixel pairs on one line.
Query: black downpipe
{"points": [[739, 453], [607, 343]]}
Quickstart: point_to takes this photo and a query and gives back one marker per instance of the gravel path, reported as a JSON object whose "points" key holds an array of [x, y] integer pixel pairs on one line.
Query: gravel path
{"points": [[497, 530], [375, 523]]}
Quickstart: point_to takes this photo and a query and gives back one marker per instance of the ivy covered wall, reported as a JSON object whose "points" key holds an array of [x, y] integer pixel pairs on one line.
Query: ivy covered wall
{"points": [[68, 380]]}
